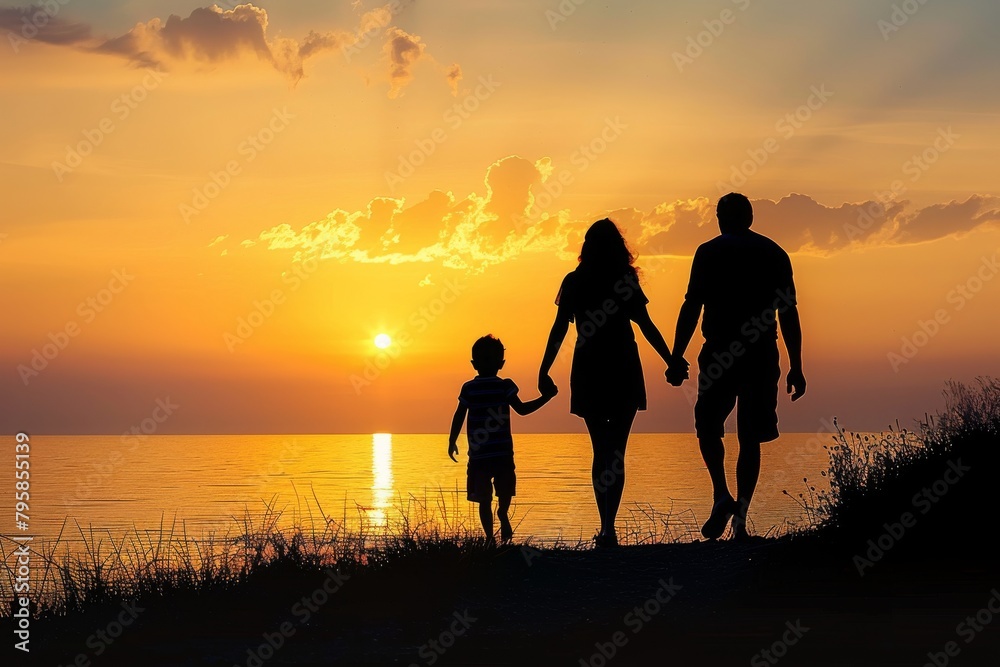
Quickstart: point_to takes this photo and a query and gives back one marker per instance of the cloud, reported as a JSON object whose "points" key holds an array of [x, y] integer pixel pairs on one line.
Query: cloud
{"points": [[403, 51], [40, 23], [453, 75], [213, 35], [479, 231], [951, 219]]}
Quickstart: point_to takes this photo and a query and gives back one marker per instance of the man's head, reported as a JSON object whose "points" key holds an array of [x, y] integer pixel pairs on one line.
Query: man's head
{"points": [[487, 355], [734, 212]]}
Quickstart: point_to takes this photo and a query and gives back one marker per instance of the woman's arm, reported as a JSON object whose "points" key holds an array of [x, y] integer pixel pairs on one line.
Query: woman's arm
{"points": [[652, 333], [556, 336]]}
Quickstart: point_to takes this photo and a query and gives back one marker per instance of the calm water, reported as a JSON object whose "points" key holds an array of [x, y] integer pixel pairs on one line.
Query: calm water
{"points": [[206, 481]]}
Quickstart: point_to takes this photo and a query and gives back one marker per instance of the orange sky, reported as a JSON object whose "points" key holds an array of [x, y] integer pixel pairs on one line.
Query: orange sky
{"points": [[349, 169]]}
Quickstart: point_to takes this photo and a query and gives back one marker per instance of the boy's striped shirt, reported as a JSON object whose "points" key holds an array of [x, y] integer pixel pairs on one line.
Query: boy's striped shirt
{"points": [[488, 426]]}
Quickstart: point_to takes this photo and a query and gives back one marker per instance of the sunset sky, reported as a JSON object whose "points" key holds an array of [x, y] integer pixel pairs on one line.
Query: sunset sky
{"points": [[218, 208]]}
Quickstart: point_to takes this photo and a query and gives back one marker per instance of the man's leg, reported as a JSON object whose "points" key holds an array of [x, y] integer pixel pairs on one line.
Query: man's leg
{"points": [[714, 454], [503, 506], [716, 399], [757, 422], [747, 472]]}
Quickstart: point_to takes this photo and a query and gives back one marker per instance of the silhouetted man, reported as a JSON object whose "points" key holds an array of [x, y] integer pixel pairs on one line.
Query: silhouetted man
{"points": [[744, 282]]}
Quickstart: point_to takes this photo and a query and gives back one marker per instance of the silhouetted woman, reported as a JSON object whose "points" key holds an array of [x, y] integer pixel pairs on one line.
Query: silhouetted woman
{"points": [[603, 297]]}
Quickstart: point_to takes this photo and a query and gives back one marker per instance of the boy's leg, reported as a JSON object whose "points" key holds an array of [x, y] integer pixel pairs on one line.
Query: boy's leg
{"points": [[505, 485], [503, 507], [479, 490], [486, 517]]}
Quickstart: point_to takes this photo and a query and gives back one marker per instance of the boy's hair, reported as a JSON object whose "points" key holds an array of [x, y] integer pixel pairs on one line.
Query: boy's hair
{"points": [[487, 351]]}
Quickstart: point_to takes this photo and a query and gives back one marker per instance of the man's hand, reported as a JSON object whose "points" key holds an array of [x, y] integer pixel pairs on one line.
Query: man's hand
{"points": [[452, 450], [796, 383], [677, 371]]}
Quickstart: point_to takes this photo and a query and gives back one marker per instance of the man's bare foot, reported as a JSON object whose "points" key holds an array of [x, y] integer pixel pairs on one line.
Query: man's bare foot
{"points": [[716, 524]]}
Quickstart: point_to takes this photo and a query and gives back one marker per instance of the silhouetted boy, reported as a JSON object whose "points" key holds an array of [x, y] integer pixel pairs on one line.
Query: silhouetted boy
{"points": [[487, 400]]}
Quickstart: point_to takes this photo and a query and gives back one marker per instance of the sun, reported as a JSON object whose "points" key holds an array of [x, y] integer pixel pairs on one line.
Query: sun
{"points": [[382, 341]]}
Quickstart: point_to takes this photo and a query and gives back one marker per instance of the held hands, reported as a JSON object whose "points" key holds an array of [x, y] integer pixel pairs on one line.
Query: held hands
{"points": [[452, 450], [546, 387], [677, 371]]}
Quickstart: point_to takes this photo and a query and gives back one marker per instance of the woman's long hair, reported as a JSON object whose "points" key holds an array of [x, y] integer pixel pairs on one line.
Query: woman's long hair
{"points": [[605, 255]]}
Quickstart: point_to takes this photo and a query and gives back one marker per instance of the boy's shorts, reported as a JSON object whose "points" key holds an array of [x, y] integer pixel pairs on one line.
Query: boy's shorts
{"points": [[485, 475], [750, 384]]}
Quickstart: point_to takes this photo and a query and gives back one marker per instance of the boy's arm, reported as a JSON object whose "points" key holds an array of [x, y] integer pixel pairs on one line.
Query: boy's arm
{"points": [[526, 408], [456, 428]]}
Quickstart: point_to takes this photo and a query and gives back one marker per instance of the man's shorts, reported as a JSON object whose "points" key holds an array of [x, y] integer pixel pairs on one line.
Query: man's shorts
{"points": [[485, 475], [748, 382]]}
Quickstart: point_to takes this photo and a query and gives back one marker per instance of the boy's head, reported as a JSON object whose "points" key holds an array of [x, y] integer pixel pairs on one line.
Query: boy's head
{"points": [[487, 355]]}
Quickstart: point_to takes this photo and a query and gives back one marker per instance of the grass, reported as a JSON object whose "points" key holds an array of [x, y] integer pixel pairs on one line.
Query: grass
{"points": [[941, 473], [873, 480]]}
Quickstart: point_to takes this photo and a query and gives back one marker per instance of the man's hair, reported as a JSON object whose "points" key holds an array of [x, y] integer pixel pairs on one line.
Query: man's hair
{"points": [[488, 351], [734, 210]]}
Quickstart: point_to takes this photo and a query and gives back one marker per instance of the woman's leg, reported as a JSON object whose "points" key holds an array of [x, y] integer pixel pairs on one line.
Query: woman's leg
{"points": [[609, 437], [619, 429], [598, 429]]}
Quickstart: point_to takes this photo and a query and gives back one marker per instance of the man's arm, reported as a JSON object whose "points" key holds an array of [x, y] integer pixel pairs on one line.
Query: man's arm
{"points": [[687, 322], [791, 332], [456, 428]]}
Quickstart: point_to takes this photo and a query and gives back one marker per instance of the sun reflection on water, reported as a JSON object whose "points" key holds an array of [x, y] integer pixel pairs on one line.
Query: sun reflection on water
{"points": [[382, 484]]}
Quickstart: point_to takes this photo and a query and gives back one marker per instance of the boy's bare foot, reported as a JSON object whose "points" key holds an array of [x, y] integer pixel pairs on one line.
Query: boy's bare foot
{"points": [[506, 534]]}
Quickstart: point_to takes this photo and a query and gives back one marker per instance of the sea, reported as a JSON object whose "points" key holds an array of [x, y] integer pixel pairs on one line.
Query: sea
{"points": [[97, 488]]}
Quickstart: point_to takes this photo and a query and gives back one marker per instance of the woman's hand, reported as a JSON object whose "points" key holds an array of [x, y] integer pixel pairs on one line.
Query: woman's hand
{"points": [[677, 371], [546, 386]]}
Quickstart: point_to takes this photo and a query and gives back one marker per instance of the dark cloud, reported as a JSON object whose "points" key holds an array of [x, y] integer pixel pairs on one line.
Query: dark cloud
{"points": [[404, 52], [453, 75], [214, 35], [954, 218], [37, 23]]}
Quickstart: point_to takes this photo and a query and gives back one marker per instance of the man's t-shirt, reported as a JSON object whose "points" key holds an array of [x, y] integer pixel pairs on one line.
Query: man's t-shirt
{"points": [[741, 279], [488, 426]]}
